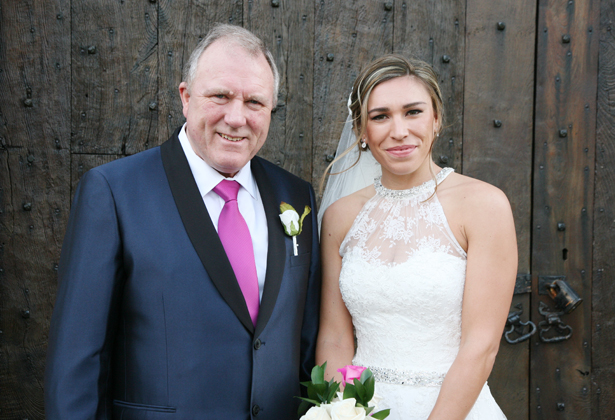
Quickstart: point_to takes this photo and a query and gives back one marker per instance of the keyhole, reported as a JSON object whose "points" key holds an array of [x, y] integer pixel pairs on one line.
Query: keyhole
{"points": [[565, 254]]}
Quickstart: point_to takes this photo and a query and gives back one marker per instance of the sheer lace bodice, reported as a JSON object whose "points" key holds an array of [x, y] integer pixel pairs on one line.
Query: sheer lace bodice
{"points": [[402, 280]]}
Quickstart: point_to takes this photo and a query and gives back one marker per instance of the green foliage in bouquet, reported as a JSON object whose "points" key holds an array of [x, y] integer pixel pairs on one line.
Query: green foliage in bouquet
{"points": [[363, 391], [319, 391]]}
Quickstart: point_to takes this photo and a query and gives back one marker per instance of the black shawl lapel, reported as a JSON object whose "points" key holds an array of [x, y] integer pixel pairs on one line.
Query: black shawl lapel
{"points": [[276, 253], [201, 230]]}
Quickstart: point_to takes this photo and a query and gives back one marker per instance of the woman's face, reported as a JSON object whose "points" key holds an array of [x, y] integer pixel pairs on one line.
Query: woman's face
{"points": [[401, 125]]}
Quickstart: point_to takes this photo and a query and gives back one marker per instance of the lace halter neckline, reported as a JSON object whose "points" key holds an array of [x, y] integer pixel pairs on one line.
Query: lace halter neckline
{"points": [[427, 186]]}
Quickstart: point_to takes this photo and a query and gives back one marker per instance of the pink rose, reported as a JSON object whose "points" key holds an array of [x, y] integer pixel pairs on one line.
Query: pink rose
{"points": [[350, 372]]}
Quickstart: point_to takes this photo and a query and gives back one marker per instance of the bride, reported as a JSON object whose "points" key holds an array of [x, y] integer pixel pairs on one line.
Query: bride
{"points": [[420, 265]]}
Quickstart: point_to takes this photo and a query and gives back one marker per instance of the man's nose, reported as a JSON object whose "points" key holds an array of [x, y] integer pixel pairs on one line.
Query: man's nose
{"points": [[235, 114]]}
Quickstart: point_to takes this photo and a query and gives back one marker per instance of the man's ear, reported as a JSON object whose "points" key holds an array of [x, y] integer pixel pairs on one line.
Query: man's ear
{"points": [[184, 94]]}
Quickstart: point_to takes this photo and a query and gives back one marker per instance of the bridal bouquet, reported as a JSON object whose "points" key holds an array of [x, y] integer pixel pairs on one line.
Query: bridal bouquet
{"points": [[356, 402]]}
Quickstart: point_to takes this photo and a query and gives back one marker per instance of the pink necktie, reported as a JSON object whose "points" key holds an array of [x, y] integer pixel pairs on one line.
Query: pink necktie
{"points": [[237, 242]]}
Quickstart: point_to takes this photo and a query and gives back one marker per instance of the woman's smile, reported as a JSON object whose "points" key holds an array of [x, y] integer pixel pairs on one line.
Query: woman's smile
{"points": [[401, 151]]}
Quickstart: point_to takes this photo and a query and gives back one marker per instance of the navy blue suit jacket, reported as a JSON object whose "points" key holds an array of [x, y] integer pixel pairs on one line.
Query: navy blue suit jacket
{"points": [[150, 322]]}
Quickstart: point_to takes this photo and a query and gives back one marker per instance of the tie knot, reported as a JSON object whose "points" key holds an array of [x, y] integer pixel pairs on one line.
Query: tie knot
{"points": [[227, 190]]}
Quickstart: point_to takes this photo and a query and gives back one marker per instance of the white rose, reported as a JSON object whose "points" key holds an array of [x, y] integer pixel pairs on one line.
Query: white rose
{"points": [[346, 410], [288, 218], [316, 413]]}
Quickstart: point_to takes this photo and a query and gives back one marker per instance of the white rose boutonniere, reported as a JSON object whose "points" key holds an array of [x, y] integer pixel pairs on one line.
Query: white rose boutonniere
{"points": [[293, 224]]}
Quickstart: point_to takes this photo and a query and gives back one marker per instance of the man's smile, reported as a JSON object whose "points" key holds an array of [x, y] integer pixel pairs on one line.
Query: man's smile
{"points": [[227, 137]]}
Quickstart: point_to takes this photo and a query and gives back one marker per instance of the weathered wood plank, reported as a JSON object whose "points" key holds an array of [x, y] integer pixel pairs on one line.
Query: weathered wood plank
{"points": [[348, 35], [287, 27], [565, 124], [180, 29], [603, 288], [114, 69], [34, 190], [499, 85], [435, 33]]}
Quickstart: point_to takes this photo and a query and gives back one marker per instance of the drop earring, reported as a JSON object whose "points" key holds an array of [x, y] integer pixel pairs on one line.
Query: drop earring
{"points": [[363, 144]]}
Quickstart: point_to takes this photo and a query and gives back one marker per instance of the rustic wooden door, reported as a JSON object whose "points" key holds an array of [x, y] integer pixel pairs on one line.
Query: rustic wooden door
{"points": [[530, 128], [527, 88]]}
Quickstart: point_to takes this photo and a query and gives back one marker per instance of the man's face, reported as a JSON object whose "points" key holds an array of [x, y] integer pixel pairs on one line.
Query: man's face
{"points": [[228, 107]]}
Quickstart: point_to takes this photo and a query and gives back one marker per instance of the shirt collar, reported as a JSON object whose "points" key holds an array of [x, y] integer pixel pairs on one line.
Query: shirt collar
{"points": [[207, 177]]}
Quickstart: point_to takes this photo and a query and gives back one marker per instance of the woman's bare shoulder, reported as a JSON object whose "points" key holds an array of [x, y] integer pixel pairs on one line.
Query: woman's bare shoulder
{"points": [[471, 191], [340, 215], [474, 201]]}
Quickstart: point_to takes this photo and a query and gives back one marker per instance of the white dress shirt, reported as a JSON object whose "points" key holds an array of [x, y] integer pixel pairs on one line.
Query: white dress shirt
{"points": [[248, 199]]}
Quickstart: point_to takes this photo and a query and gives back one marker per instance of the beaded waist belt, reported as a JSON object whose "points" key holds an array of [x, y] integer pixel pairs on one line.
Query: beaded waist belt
{"points": [[407, 377]]}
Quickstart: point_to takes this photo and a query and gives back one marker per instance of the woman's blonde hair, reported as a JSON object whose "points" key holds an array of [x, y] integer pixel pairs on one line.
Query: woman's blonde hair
{"points": [[380, 70]]}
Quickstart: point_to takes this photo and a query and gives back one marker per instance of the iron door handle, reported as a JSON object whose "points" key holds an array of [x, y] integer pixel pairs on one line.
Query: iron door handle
{"points": [[518, 326]]}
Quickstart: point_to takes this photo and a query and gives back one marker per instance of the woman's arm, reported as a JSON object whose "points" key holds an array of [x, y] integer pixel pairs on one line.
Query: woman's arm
{"points": [[487, 224], [335, 344]]}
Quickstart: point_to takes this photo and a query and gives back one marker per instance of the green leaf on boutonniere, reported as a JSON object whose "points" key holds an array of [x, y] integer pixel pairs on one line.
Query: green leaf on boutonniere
{"points": [[293, 224], [306, 211]]}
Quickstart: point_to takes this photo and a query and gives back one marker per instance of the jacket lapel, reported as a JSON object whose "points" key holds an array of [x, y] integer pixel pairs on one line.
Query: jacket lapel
{"points": [[201, 230], [276, 253]]}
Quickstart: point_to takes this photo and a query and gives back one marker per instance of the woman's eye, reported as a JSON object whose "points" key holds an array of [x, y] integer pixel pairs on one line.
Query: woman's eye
{"points": [[414, 112], [378, 117]]}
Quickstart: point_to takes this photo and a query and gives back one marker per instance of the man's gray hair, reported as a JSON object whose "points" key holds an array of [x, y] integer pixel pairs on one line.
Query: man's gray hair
{"points": [[241, 37]]}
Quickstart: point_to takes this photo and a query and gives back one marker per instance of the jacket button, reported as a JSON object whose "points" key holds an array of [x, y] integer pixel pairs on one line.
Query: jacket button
{"points": [[257, 345], [255, 410]]}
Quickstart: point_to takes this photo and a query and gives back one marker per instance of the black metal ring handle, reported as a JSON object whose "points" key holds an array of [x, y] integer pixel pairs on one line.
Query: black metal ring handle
{"points": [[522, 337]]}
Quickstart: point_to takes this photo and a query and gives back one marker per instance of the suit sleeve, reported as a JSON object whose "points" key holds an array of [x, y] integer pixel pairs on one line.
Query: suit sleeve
{"points": [[309, 331], [87, 306]]}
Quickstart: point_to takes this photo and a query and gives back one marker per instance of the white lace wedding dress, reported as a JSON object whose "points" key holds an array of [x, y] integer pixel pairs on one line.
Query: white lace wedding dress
{"points": [[402, 279]]}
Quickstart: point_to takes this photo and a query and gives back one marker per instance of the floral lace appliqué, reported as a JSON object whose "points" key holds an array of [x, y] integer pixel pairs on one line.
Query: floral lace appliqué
{"points": [[397, 224]]}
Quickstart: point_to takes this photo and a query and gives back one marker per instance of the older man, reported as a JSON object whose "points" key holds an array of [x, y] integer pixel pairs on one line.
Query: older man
{"points": [[180, 294]]}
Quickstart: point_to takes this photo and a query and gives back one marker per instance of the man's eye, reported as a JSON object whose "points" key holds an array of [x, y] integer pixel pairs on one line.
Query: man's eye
{"points": [[220, 96]]}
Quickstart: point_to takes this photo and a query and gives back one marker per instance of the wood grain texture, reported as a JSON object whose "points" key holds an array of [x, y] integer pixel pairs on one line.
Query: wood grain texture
{"points": [[435, 33], [565, 124], [348, 36], [603, 287], [34, 190], [114, 73], [287, 28], [180, 29], [499, 85]]}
